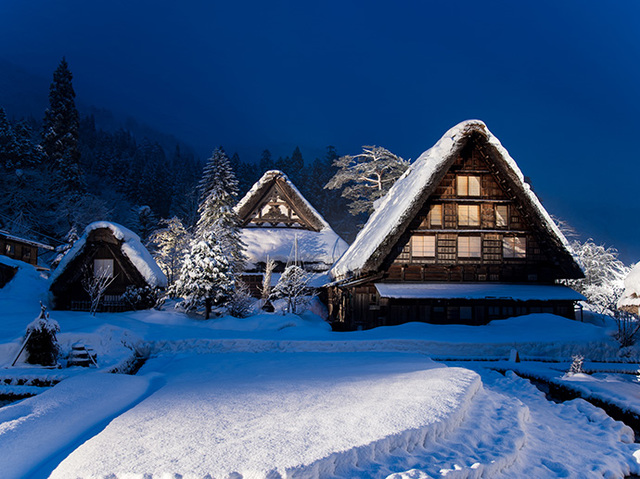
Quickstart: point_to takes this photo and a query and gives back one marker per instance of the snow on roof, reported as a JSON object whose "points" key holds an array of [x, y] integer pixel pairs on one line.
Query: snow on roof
{"points": [[515, 292], [131, 246], [323, 246], [631, 295], [9, 236], [400, 205], [246, 204]]}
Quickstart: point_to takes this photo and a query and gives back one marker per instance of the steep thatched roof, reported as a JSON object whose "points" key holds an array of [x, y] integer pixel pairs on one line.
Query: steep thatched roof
{"points": [[397, 209], [130, 245], [317, 243], [310, 217]]}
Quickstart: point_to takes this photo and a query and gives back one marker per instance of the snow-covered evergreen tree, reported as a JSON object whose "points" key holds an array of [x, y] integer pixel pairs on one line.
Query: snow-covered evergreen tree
{"points": [[169, 245], [8, 143], [60, 130], [293, 286], [366, 177], [206, 275], [218, 192]]}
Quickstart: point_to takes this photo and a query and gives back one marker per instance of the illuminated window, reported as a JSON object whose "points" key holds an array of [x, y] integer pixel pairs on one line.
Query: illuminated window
{"points": [[514, 247], [468, 186], [469, 246], [103, 267], [9, 249], [423, 246], [468, 215], [435, 215], [502, 213]]}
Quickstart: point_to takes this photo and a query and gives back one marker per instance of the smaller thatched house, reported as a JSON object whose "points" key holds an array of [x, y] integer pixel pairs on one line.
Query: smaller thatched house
{"points": [[104, 248], [278, 223], [630, 300]]}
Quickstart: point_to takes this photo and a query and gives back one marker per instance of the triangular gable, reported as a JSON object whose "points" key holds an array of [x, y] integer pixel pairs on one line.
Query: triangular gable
{"points": [[400, 206], [274, 201]]}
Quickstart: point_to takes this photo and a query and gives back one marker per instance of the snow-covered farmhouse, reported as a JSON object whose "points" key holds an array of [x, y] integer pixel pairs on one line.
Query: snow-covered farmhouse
{"points": [[459, 238], [275, 218], [104, 249], [630, 300]]}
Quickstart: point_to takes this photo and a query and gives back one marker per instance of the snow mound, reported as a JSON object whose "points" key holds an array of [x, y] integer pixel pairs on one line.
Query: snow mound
{"points": [[278, 415]]}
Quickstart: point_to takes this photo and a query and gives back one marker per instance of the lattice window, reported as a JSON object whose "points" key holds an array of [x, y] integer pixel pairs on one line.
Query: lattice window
{"points": [[468, 185], [468, 215], [502, 216], [435, 215], [514, 247], [423, 246], [103, 267], [469, 246]]}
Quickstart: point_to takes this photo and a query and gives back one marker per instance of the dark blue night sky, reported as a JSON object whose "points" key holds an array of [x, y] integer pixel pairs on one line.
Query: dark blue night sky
{"points": [[556, 82]]}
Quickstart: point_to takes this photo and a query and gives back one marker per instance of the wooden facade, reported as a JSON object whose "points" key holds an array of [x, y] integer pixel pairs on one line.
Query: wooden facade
{"points": [[20, 248], [475, 225], [102, 250]]}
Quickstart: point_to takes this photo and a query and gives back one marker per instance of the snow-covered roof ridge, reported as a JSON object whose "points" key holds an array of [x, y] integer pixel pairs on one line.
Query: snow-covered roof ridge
{"points": [[246, 204], [631, 295], [132, 248], [413, 188]]}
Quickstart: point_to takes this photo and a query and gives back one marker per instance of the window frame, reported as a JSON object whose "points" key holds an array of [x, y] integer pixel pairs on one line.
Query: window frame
{"points": [[467, 215], [100, 264], [514, 247], [422, 238], [469, 248], [464, 185]]}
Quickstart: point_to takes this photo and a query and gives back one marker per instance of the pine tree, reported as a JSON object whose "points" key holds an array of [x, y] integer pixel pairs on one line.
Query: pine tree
{"points": [[366, 177], [206, 275], [293, 286], [218, 192], [266, 163], [60, 130], [8, 143]]}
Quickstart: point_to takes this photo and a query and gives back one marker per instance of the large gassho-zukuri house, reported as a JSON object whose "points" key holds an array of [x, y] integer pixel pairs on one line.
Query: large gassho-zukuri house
{"points": [[104, 249], [278, 223], [459, 238]]}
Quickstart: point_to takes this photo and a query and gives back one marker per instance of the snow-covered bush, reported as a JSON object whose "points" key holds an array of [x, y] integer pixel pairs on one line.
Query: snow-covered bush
{"points": [[603, 283], [241, 302], [293, 286], [577, 362], [170, 245], [144, 297], [628, 326], [42, 344]]}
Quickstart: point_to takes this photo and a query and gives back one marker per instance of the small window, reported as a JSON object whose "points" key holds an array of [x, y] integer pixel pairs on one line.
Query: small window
{"points": [[103, 267], [469, 246], [466, 313], [502, 213], [468, 215], [9, 249], [435, 215], [26, 252], [423, 246], [514, 247], [468, 186]]}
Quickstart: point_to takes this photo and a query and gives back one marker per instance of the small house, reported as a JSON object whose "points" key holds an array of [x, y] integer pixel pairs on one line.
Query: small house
{"points": [[104, 249], [20, 248], [278, 223], [459, 238]]}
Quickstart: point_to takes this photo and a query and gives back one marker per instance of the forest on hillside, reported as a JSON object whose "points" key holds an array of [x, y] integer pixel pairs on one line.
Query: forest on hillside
{"points": [[62, 172]]}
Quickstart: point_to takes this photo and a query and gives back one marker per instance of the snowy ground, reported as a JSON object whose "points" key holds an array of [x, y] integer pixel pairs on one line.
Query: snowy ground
{"points": [[283, 396]]}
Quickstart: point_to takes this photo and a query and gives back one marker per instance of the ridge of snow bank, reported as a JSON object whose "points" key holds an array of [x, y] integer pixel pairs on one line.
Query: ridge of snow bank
{"points": [[35, 430]]}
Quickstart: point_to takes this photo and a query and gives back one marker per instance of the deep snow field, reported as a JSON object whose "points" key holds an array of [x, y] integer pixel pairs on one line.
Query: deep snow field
{"points": [[282, 396]]}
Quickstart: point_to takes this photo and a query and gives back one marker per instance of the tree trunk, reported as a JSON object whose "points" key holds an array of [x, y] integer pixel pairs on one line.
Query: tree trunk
{"points": [[207, 308]]}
